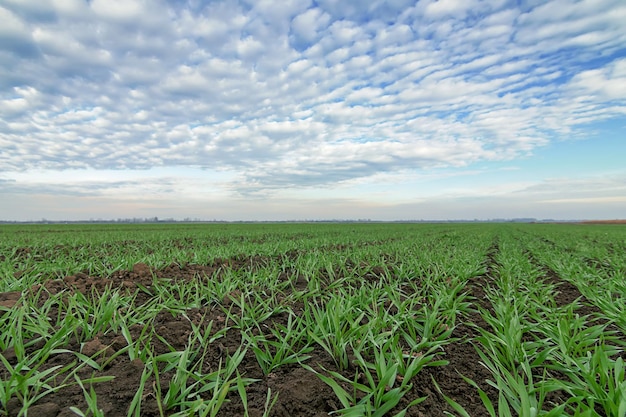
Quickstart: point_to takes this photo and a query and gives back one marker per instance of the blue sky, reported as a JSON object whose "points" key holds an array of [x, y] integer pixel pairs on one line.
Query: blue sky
{"points": [[302, 109]]}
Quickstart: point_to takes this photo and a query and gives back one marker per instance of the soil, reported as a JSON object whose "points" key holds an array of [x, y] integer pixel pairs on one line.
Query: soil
{"points": [[300, 393]]}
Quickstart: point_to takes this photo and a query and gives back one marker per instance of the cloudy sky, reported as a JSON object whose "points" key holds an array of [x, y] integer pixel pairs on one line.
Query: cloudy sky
{"points": [[312, 109]]}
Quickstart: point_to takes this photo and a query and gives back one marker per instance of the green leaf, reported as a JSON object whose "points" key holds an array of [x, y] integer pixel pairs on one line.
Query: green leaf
{"points": [[341, 394]]}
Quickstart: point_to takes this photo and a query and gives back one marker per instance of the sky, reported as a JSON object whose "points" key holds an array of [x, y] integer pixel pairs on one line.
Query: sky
{"points": [[312, 109]]}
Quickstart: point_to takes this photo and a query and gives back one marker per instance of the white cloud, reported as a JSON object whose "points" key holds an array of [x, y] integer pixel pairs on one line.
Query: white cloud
{"points": [[588, 23], [12, 25], [120, 10], [308, 24], [300, 94], [608, 83], [443, 8]]}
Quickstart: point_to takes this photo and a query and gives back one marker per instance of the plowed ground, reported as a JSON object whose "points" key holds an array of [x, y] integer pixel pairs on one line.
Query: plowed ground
{"points": [[300, 393]]}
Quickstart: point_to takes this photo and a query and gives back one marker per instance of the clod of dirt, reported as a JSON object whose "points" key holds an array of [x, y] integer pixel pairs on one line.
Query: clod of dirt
{"points": [[142, 270], [10, 356], [94, 346], [75, 279], [129, 285], [9, 299], [44, 410]]}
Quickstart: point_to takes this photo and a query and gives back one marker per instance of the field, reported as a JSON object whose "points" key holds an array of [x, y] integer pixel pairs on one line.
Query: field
{"points": [[312, 319]]}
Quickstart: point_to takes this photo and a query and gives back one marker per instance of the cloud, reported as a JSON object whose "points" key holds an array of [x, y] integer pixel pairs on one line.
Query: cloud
{"points": [[607, 84], [15, 35], [301, 94], [609, 188], [307, 25], [156, 193]]}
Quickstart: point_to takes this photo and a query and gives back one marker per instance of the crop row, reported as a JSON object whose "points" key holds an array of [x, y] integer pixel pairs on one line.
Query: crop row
{"points": [[309, 319]]}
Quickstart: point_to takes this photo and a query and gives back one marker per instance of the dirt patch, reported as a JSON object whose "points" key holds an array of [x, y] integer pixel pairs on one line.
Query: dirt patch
{"points": [[299, 391], [566, 292], [9, 299]]}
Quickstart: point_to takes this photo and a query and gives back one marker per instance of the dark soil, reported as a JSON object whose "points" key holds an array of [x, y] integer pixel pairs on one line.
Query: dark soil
{"points": [[300, 392]]}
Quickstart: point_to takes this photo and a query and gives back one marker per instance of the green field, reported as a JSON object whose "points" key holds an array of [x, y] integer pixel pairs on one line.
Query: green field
{"points": [[311, 319]]}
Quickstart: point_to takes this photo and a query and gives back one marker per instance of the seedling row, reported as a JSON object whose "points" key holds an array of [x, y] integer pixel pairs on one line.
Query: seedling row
{"points": [[312, 319]]}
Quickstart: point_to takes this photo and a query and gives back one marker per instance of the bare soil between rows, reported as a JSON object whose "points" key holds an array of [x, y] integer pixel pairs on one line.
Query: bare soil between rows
{"points": [[300, 393]]}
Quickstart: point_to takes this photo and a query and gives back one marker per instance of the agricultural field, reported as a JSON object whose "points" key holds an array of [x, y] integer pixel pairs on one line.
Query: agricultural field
{"points": [[312, 319]]}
